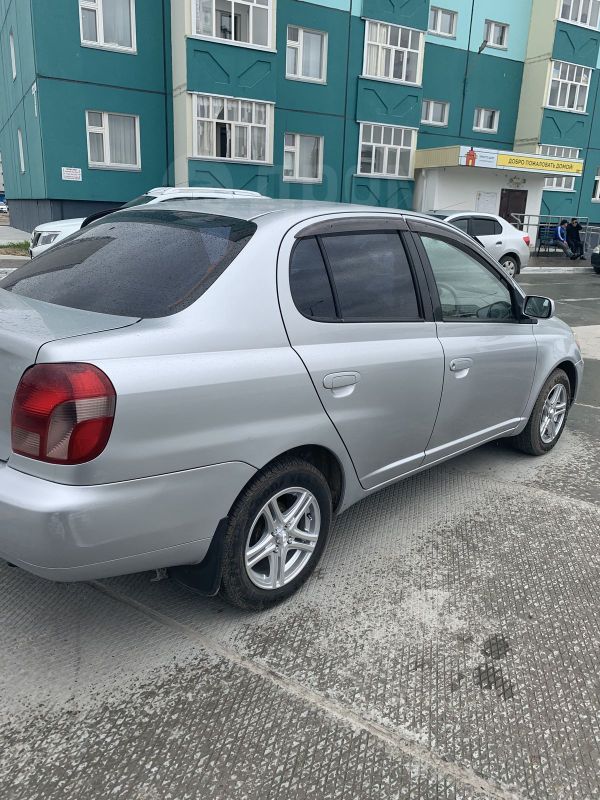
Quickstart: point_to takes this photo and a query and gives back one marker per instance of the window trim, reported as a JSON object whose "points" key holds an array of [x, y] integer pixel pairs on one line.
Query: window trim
{"points": [[596, 189], [104, 130], [490, 24], [296, 150], [13, 54], [376, 175], [446, 105], [558, 18], [96, 5], [21, 148], [572, 178], [271, 33], [549, 80], [477, 116], [299, 48], [434, 32], [420, 53]]}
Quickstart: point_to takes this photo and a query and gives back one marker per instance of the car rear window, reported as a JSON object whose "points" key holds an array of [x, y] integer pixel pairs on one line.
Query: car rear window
{"points": [[137, 263]]}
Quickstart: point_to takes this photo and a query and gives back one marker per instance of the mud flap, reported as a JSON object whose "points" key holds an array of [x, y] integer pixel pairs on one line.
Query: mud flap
{"points": [[204, 578]]}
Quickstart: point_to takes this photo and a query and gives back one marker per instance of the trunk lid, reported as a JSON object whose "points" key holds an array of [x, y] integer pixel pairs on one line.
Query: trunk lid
{"points": [[25, 326]]}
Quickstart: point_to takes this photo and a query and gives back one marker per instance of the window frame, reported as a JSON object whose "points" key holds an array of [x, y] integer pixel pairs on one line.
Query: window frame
{"points": [[299, 47], [596, 189], [295, 148], [13, 54], [100, 44], [479, 111], [560, 18], [382, 47], [557, 183], [269, 128], [21, 148], [105, 131], [271, 26], [383, 176], [435, 31], [445, 104], [489, 27], [561, 81]]}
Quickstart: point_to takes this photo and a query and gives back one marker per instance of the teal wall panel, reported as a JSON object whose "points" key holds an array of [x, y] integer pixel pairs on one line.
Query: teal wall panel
{"points": [[218, 68], [410, 13], [576, 44], [389, 103]]}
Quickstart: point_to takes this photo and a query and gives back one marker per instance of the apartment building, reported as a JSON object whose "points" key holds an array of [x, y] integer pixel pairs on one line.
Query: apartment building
{"points": [[405, 103]]}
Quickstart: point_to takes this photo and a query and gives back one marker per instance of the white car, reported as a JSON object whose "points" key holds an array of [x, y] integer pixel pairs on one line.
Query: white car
{"points": [[50, 233], [507, 244], [3, 208]]}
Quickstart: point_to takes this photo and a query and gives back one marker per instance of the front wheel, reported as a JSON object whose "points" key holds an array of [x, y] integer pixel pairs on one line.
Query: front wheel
{"points": [[548, 418], [276, 534], [511, 264]]}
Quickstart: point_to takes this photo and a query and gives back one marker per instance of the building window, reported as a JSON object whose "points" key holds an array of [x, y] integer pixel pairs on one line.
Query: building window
{"points": [[393, 53], [496, 34], [596, 195], [306, 54], [560, 183], [581, 12], [435, 112], [21, 150], [237, 130], [243, 21], [442, 22], [303, 158], [386, 151], [486, 120], [13, 55], [108, 23], [113, 140], [569, 86]]}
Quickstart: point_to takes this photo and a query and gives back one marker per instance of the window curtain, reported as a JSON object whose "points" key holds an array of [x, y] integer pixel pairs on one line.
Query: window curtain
{"points": [[311, 54], [123, 145], [117, 22], [308, 165], [204, 17]]}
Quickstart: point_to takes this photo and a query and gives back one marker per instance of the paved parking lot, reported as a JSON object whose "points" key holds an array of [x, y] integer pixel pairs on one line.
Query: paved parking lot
{"points": [[447, 647]]}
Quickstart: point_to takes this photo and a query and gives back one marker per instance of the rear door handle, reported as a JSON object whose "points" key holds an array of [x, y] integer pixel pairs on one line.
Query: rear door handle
{"points": [[460, 364], [499, 242], [338, 380]]}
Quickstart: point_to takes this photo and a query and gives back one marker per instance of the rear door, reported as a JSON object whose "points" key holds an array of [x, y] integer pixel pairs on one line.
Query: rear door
{"points": [[355, 311]]}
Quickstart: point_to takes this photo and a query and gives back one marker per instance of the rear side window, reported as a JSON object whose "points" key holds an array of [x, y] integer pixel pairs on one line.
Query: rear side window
{"points": [[309, 282], [138, 263], [462, 223], [372, 277], [481, 226]]}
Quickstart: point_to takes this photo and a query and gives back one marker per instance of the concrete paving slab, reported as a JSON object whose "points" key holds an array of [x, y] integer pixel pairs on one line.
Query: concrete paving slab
{"points": [[10, 234]]}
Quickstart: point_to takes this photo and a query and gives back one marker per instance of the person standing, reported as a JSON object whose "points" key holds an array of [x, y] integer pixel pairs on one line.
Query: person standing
{"points": [[574, 238], [560, 239]]}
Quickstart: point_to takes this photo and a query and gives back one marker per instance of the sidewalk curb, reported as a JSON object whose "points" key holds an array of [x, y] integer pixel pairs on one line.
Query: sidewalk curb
{"points": [[14, 258], [555, 270]]}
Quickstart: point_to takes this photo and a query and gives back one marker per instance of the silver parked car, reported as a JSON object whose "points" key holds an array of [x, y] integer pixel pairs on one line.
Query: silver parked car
{"points": [[205, 391]]}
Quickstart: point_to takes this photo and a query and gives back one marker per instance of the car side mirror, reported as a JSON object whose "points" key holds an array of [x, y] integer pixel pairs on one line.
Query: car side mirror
{"points": [[539, 307]]}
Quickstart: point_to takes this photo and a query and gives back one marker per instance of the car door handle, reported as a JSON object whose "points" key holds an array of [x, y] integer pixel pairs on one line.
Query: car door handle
{"points": [[499, 242], [339, 380], [460, 364]]}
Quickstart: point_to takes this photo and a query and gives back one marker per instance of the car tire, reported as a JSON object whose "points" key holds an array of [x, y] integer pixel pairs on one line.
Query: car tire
{"points": [[255, 528], [533, 440], [511, 264]]}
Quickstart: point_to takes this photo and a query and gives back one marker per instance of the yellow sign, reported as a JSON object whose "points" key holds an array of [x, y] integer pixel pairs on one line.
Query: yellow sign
{"points": [[540, 163]]}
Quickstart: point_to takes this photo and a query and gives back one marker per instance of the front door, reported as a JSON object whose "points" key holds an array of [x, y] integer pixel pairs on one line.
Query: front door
{"points": [[513, 201], [490, 356], [354, 314]]}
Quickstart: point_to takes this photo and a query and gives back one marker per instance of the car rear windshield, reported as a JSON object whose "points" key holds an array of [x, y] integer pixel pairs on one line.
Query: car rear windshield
{"points": [[138, 263]]}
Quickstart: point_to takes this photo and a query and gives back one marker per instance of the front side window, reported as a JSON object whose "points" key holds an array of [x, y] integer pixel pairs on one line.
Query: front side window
{"points": [[21, 150], [13, 55], [581, 12], [569, 86], [393, 53], [386, 151], [486, 120], [442, 21], [242, 21], [560, 183], [468, 291], [108, 23], [496, 34], [435, 112], [303, 158], [113, 140], [234, 129], [306, 54]]}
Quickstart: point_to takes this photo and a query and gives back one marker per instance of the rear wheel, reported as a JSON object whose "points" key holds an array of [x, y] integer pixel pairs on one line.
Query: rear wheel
{"points": [[276, 534], [548, 418], [511, 264]]}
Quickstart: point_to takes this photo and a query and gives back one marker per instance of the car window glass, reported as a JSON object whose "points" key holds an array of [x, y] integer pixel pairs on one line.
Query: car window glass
{"points": [[462, 223], [467, 289], [309, 283], [372, 276], [482, 226]]}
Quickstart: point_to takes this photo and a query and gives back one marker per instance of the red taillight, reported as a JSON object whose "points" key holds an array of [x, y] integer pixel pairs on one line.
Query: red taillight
{"points": [[527, 240], [62, 413]]}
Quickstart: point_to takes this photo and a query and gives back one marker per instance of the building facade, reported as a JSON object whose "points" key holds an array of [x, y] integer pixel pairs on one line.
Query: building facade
{"points": [[403, 103]]}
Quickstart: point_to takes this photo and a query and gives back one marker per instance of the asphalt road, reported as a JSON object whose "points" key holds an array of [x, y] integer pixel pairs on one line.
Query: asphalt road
{"points": [[447, 647]]}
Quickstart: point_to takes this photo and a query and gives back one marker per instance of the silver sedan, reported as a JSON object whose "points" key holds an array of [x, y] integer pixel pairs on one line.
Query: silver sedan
{"points": [[204, 391]]}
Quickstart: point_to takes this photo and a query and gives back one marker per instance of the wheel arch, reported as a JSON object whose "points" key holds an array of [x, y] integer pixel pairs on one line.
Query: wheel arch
{"points": [[569, 368]]}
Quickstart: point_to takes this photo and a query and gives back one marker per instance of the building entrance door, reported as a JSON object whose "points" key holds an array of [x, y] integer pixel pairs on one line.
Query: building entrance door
{"points": [[512, 201]]}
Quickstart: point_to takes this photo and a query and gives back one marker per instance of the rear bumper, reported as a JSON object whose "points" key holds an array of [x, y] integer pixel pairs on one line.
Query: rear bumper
{"points": [[70, 533]]}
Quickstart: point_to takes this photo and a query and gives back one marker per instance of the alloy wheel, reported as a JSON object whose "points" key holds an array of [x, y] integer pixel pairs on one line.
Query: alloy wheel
{"points": [[554, 414]]}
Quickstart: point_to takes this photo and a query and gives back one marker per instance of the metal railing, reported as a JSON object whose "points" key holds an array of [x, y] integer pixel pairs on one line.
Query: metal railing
{"points": [[532, 224]]}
